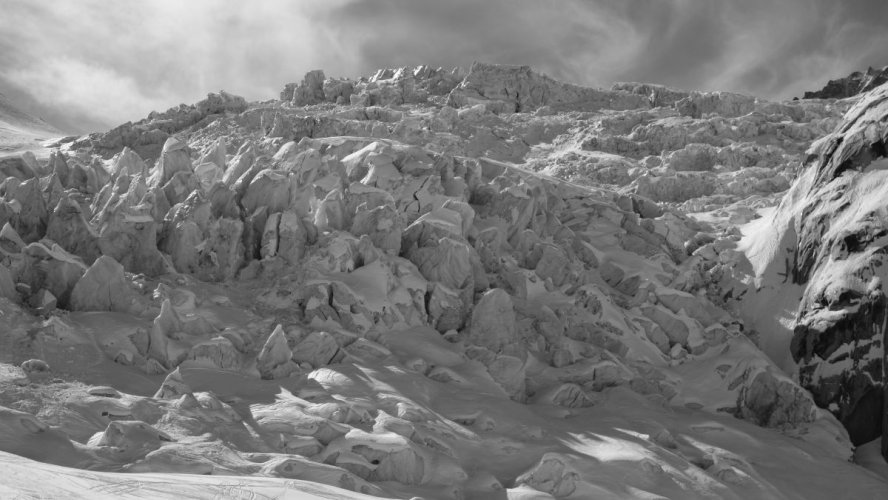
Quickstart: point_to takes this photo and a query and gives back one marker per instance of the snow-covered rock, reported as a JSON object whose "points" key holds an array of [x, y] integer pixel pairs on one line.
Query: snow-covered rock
{"points": [[851, 85], [828, 236]]}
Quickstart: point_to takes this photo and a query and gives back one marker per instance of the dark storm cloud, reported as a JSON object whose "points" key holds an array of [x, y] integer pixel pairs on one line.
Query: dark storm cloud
{"points": [[101, 63], [827, 40], [774, 49], [557, 37]]}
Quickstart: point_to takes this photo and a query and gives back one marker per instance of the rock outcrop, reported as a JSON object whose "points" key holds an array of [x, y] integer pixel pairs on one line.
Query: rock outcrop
{"points": [[830, 231], [852, 85]]}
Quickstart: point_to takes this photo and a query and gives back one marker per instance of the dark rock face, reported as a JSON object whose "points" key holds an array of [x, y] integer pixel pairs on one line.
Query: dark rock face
{"points": [[851, 85], [856, 338], [840, 258]]}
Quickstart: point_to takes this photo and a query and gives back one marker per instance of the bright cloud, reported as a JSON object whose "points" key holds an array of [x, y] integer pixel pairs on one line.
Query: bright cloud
{"points": [[86, 88]]}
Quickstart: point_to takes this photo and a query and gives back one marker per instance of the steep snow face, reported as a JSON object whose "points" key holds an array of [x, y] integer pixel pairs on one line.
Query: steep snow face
{"points": [[829, 236], [378, 293]]}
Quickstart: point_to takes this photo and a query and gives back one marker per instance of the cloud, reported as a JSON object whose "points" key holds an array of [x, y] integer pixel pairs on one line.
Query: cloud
{"points": [[772, 49], [92, 63], [781, 49], [561, 38], [85, 89], [113, 62]]}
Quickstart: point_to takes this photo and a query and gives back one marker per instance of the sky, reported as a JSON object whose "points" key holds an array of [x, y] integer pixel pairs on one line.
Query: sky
{"points": [[89, 65]]}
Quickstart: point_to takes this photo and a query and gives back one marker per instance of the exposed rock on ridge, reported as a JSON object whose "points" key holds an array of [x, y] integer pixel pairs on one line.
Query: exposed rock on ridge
{"points": [[853, 84]]}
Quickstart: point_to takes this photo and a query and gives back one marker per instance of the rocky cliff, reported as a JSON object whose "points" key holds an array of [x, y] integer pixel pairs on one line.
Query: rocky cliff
{"points": [[835, 251], [852, 85]]}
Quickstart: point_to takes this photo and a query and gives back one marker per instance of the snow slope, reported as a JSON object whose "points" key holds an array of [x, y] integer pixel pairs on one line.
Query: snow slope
{"points": [[20, 131], [822, 249]]}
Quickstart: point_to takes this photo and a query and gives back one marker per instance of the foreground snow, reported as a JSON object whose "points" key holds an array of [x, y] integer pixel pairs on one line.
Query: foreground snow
{"points": [[27, 479], [625, 446]]}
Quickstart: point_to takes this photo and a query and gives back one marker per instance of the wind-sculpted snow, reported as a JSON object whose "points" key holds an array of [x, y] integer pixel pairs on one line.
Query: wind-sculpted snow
{"points": [[427, 283]]}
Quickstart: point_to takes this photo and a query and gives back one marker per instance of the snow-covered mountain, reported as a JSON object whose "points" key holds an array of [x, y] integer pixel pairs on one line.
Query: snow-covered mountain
{"points": [[432, 283], [20, 131]]}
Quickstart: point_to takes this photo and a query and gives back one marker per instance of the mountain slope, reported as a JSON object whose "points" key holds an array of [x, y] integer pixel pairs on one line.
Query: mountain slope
{"points": [[20, 131], [834, 223], [475, 283], [852, 85]]}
